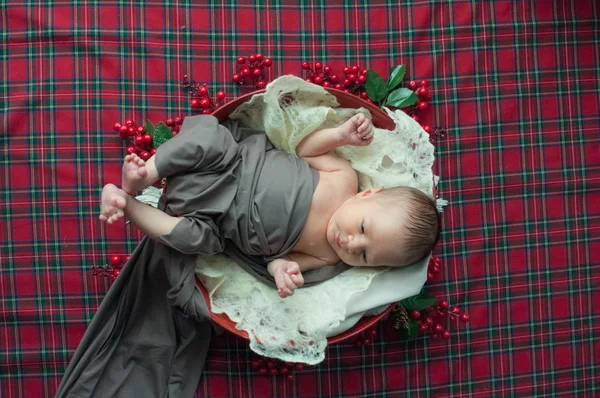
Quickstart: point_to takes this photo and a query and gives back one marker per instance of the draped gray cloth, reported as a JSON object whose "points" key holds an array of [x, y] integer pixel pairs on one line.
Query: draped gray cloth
{"points": [[237, 195]]}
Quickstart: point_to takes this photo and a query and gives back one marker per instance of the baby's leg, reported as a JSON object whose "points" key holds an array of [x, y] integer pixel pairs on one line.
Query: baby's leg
{"points": [[116, 203], [287, 276], [137, 175]]}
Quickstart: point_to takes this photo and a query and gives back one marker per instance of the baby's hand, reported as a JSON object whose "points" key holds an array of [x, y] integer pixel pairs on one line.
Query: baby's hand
{"points": [[287, 276], [357, 131]]}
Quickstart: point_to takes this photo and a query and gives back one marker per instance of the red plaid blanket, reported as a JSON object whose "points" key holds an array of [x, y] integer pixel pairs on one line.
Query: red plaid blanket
{"points": [[515, 84]]}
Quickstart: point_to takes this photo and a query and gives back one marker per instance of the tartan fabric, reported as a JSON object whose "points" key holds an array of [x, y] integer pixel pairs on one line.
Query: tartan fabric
{"points": [[514, 82]]}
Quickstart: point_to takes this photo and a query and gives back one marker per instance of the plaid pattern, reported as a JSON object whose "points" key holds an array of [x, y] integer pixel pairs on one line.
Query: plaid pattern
{"points": [[515, 83]]}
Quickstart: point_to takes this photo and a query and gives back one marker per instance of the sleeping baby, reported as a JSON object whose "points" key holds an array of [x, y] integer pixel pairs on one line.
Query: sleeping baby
{"points": [[243, 198]]}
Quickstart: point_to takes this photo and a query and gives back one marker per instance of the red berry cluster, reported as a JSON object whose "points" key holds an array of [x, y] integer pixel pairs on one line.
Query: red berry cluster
{"points": [[434, 268], [366, 339], [352, 82], [141, 142], [252, 68], [201, 96], [274, 367], [421, 89], [432, 319], [112, 269]]}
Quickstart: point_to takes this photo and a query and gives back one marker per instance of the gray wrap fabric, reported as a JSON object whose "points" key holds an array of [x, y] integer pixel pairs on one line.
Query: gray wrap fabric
{"points": [[237, 195]]}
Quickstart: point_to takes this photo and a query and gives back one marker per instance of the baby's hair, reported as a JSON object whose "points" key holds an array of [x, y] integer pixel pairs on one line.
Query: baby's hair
{"points": [[422, 222]]}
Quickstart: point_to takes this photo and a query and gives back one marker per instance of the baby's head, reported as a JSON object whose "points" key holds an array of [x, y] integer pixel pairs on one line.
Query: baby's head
{"points": [[392, 227]]}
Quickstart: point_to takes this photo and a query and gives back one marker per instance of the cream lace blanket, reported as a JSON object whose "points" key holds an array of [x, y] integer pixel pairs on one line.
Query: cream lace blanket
{"points": [[295, 329]]}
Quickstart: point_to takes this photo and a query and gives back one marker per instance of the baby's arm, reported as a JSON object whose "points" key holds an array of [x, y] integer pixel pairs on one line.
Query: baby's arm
{"points": [[356, 131]]}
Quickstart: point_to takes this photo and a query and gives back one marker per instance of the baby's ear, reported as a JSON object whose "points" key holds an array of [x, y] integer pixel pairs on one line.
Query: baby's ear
{"points": [[369, 192]]}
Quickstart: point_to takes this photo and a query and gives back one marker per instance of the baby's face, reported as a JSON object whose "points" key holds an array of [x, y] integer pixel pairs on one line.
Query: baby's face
{"points": [[362, 234]]}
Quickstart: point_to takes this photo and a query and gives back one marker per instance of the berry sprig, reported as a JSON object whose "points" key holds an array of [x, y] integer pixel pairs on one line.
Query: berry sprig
{"points": [[366, 339], [434, 267], [252, 69], [434, 320], [201, 96], [352, 82], [112, 269], [274, 367], [143, 139]]}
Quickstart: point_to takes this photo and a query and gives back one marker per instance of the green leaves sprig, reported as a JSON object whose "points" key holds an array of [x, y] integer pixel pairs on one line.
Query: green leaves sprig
{"points": [[385, 93]]}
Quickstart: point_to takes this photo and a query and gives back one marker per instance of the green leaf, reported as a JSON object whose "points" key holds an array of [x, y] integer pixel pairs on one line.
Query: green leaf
{"points": [[410, 332], [396, 76], [375, 85], [418, 302], [161, 135], [149, 127], [402, 97]]}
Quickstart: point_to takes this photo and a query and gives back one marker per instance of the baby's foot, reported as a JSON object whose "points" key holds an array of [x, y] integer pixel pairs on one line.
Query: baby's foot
{"points": [[133, 174], [287, 276], [357, 131], [113, 203]]}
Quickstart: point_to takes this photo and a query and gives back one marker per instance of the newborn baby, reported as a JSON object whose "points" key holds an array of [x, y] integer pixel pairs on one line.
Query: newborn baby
{"points": [[375, 227]]}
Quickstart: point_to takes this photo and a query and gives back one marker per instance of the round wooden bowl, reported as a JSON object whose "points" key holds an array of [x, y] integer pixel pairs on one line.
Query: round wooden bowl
{"points": [[381, 120]]}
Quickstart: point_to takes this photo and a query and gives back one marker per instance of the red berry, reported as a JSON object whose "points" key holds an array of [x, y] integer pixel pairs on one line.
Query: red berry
{"points": [[290, 377], [326, 83], [115, 261], [412, 85], [256, 72], [284, 371], [346, 70], [170, 122], [255, 364], [305, 65], [318, 66], [220, 96], [140, 130], [237, 78], [446, 335], [139, 141], [366, 341], [245, 72], [338, 86], [364, 72], [347, 91], [422, 92], [311, 75], [327, 69], [299, 367], [259, 57], [434, 336], [430, 276], [369, 100], [203, 92], [308, 79], [439, 329], [261, 84], [117, 126], [318, 80], [130, 123], [206, 111], [464, 317], [273, 372], [427, 128], [347, 83], [352, 77], [270, 364], [126, 259], [145, 155], [415, 314], [205, 103], [422, 105], [116, 273], [241, 60], [416, 118], [362, 79], [131, 131], [147, 138], [364, 95], [334, 79], [355, 69], [373, 333], [429, 321], [153, 151], [251, 58], [422, 327], [423, 83], [262, 371], [130, 150], [455, 310], [123, 132], [443, 303], [195, 103], [178, 120], [268, 62]]}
